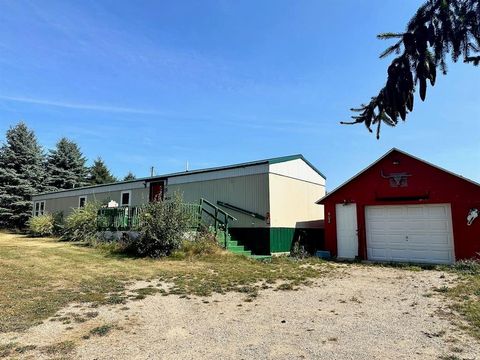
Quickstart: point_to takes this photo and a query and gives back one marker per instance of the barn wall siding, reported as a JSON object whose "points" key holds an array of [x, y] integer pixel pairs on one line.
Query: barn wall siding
{"points": [[427, 183]]}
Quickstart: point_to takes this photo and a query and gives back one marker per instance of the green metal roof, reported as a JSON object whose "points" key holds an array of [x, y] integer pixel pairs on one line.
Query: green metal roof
{"points": [[275, 160]]}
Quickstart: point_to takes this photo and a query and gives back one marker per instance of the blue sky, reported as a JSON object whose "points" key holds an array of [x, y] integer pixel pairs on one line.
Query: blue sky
{"points": [[217, 82]]}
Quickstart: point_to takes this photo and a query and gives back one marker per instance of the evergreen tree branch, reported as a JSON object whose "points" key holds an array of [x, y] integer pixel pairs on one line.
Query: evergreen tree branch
{"points": [[438, 29]]}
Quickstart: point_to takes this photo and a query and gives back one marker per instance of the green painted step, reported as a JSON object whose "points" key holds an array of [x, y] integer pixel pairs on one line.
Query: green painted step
{"points": [[236, 248], [245, 252]]}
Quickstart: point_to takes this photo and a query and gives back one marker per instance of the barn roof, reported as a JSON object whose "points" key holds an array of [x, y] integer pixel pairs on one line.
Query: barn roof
{"points": [[383, 157]]}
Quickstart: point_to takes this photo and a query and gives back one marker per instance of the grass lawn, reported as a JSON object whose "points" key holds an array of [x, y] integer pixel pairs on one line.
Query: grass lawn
{"points": [[40, 276], [466, 295]]}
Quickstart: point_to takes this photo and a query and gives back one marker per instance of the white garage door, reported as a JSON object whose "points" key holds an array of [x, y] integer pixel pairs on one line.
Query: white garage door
{"points": [[410, 233]]}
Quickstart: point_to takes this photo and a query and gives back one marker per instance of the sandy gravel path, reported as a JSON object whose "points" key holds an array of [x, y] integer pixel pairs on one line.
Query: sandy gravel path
{"points": [[362, 312]]}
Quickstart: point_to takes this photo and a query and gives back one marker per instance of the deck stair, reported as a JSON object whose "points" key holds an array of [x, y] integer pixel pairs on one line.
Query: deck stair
{"points": [[232, 245], [219, 222]]}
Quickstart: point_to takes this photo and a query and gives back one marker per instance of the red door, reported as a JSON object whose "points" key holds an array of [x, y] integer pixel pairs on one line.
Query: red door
{"points": [[156, 191]]}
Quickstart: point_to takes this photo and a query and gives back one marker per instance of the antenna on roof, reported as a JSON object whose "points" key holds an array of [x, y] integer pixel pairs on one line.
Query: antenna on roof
{"points": [[152, 171], [186, 165]]}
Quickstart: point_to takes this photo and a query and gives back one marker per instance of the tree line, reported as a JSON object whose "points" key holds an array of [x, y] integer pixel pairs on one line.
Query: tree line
{"points": [[27, 169]]}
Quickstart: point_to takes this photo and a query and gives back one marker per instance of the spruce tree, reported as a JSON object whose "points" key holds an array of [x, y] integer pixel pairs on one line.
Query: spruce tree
{"points": [[100, 174], [438, 29], [66, 166], [22, 174], [129, 176]]}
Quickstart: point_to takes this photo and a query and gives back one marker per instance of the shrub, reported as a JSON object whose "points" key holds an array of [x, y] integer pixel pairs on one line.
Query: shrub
{"points": [[203, 244], [163, 225], [299, 250], [42, 225], [81, 224]]}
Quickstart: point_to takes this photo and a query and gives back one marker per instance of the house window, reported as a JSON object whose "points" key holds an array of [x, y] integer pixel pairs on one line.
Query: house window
{"points": [[125, 198], [39, 208], [81, 201]]}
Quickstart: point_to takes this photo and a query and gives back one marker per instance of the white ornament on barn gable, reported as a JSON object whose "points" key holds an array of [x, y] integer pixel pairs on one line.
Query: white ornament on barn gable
{"points": [[397, 179], [472, 215], [112, 204]]}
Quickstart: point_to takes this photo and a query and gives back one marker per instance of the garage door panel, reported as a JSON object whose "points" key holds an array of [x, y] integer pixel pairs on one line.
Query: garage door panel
{"points": [[438, 225], [415, 225], [433, 240], [379, 240], [428, 256], [399, 255], [409, 233], [380, 254], [438, 212], [414, 212]]}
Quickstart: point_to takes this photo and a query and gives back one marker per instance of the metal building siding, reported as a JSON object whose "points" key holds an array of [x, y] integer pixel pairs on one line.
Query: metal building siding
{"points": [[292, 203], [297, 169], [65, 204], [218, 174], [248, 192], [91, 190]]}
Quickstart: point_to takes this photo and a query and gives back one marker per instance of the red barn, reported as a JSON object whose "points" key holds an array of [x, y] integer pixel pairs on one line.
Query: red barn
{"points": [[402, 208]]}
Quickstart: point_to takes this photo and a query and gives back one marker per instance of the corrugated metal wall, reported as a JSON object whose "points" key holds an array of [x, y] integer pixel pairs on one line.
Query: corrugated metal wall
{"points": [[249, 192]]}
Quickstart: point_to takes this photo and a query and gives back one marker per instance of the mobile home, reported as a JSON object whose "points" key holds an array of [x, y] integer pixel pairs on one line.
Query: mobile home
{"points": [[273, 200]]}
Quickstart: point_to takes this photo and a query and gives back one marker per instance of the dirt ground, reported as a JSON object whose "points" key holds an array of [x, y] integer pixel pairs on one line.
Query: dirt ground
{"points": [[360, 312]]}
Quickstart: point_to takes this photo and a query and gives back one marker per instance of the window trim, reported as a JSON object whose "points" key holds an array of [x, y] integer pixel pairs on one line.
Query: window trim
{"points": [[129, 192], [79, 200], [41, 209]]}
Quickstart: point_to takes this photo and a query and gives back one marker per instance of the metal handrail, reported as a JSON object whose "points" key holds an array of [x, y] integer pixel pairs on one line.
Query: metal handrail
{"points": [[240, 210], [216, 218], [127, 218]]}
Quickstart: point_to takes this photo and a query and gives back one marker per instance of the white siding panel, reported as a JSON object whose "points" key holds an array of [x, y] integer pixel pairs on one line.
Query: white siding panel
{"points": [[297, 169], [292, 202]]}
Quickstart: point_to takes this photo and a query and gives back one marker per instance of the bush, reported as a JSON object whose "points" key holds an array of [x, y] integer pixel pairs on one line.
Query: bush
{"points": [[203, 244], [298, 250], [163, 225], [81, 224], [42, 225]]}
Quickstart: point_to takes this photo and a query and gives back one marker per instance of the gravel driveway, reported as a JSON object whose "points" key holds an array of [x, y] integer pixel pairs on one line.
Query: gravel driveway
{"points": [[360, 312]]}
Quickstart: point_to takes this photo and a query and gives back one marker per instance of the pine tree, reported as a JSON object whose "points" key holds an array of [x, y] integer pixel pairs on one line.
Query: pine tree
{"points": [[438, 28], [129, 176], [100, 174], [66, 166], [22, 174]]}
